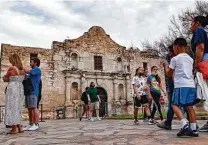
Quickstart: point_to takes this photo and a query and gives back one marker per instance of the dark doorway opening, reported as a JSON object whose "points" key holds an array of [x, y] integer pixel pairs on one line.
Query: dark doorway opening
{"points": [[104, 102]]}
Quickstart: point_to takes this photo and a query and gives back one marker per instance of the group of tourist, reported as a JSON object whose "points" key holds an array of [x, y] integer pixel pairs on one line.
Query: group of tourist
{"points": [[23, 86], [182, 91], [145, 89], [91, 100]]}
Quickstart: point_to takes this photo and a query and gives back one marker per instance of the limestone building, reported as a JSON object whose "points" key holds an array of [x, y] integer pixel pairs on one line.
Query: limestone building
{"points": [[69, 66]]}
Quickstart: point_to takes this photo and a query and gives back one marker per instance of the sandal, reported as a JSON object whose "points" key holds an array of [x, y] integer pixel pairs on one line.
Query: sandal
{"points": [[20, 129]]}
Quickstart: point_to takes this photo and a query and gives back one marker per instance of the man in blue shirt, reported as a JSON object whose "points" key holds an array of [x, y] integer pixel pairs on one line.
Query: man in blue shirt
{"points": [[31, 100], [199, 45]]}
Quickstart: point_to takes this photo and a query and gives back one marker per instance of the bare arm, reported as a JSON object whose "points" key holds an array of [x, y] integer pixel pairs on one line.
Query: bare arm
{"points": [[148, 90], [8, 74], [199, 53], [136, 91], [161, 87], [27, 71], [99, 98], [168, 71], [88, 96]]}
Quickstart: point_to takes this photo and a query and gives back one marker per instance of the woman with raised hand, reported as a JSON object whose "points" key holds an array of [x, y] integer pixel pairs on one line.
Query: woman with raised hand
{"points": [[14, 94]]}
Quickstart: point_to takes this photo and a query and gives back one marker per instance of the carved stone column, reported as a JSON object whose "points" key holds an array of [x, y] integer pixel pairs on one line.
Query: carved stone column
{"points": [[82, 83], [115, 89], [127, 88], [68, 92]]}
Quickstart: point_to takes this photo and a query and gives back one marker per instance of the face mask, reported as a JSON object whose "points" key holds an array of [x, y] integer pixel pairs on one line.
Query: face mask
{"points": [[140, 74]]}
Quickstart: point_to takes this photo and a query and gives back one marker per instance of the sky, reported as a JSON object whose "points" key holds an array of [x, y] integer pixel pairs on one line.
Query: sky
{"points": [[37, 23]]}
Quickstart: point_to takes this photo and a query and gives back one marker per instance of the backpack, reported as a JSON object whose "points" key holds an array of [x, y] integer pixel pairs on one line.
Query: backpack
{"points": [[40, 91], [82, 97], [28, 86]]}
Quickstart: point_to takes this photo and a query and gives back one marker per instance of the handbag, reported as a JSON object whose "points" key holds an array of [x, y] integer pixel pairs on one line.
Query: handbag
{"points": [[202, 88], [28, 86], [203, 67]]}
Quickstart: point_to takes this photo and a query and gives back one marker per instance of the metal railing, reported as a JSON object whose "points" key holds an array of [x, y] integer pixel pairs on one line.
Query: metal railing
{"points": [[2, 113]]}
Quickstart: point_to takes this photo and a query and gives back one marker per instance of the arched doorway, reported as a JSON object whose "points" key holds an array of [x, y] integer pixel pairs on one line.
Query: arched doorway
{"points": [[104, 101]]}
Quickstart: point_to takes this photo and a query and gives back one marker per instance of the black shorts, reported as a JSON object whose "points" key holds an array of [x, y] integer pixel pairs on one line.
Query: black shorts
{"points": [[86, 103], [138, 103]]}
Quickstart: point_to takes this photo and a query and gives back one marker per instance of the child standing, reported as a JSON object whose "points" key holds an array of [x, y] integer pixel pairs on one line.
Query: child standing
{"points": [[184, 94]]}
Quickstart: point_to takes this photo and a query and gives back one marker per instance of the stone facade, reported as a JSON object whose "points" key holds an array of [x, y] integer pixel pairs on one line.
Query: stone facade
{"points": [[69, 66]]}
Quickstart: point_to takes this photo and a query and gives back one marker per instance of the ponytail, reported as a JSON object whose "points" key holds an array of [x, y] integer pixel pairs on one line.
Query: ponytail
{"points": [[158, 79], [207, 20]]}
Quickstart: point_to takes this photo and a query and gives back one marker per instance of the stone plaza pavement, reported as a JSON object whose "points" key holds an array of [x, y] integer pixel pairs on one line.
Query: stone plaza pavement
{"points": [[105, 132]]}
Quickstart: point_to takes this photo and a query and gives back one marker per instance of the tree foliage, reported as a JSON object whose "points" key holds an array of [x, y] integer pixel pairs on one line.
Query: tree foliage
{"points": [[179, 27]]}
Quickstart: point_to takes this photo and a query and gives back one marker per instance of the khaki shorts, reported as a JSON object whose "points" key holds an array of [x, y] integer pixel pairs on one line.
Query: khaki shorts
{"points": [[95, 105]]}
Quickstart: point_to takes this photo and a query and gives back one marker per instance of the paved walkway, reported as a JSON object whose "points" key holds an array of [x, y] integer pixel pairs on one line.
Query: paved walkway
{"points": [[105, 132]]}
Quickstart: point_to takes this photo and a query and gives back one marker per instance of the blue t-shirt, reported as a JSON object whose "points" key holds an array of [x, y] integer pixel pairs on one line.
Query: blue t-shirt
{"points": [[199, 36], [35, 76]]}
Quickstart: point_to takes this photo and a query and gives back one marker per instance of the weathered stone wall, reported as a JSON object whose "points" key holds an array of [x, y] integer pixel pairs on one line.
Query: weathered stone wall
{"points": [[72, 62]]}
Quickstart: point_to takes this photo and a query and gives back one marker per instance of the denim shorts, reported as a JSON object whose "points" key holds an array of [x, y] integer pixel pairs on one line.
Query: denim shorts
{"points": [[31, 101]]}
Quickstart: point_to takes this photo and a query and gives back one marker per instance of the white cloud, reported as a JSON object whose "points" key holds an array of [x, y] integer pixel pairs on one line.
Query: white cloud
{"points": [[38, 23]]}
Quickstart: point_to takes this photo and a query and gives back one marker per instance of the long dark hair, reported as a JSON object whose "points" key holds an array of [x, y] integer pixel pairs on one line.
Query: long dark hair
{"points": [[156, 76], [137, 71]]}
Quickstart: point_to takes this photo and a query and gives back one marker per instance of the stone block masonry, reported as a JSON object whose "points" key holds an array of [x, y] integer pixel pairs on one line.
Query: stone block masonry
{"points": [[69, 66]]}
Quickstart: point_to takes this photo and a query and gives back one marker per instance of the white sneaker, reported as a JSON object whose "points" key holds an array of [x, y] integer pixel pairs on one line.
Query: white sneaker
{"points": [[33, 127], [98, 118], [27, 127], [91, 119]]}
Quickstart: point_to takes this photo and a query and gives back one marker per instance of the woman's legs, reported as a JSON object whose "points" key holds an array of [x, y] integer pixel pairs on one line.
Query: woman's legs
{"points": [[156, 105], [20, 128], [153, 111], [84, 111], [14, 130]]}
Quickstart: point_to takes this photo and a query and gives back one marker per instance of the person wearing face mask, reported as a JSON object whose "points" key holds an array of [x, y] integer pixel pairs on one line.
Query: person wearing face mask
{"points": [[199, 46], [140, 94], [94, 100], [155, 92]]}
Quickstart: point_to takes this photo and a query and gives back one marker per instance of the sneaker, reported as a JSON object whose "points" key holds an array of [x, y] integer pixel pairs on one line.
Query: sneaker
{"points": [[80, 118], [163, 125], [145, 120], [27, 127], [136, 121], [33, 127], [195, 133], [186, 131], [152, 122], [98, 118], [204, 128], [91, 119]]}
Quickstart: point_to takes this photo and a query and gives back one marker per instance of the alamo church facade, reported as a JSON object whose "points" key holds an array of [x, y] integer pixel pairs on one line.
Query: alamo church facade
{"points": [[69, 66]]}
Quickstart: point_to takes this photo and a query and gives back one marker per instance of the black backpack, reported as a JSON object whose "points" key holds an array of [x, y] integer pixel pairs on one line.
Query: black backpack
{"points": [[28, 86], [82, 97]]}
